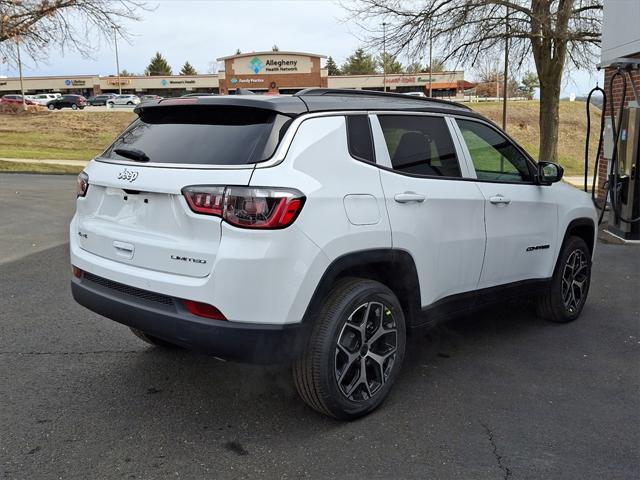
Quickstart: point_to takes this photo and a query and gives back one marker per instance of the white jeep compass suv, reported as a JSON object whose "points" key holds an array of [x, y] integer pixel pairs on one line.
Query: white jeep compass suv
{"points": [[319, 229]]}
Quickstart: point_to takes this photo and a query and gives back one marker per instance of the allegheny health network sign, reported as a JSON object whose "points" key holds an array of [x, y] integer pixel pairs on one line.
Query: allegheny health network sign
{"points": [[271, 64]]}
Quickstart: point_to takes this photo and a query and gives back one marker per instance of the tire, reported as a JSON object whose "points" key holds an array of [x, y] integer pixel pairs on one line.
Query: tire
{"points": [[567, 293], [129, 103], [328, 376], [109, 104], [51, 107], [151, 340], [74, 106], [81, 108]]}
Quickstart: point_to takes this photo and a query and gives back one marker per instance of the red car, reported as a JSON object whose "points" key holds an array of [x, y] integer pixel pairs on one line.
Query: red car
{"points": [[15, 100]]}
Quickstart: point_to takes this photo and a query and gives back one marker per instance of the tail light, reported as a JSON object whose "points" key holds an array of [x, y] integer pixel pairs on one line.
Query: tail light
{"points": [[82, 184], [206, 200], [247, 207]]}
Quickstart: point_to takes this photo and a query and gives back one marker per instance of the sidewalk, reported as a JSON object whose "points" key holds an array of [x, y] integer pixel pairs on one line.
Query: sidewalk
{"points": [[75, 163], [576, 180]]}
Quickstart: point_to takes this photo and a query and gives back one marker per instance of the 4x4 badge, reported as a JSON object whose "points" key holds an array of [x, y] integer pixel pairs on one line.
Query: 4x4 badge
{"points": [[127, 175]]}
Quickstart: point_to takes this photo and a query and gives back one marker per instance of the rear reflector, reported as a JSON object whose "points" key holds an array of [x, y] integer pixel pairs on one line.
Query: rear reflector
{"points": [[76, 271], [203, 310]]}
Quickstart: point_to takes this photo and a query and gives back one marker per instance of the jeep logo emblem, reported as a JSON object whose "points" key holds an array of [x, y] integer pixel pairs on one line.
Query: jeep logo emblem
{"points": [[127, 175]]}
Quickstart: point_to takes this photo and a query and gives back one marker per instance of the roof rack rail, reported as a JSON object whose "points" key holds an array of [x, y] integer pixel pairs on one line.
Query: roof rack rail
{"points": [[372, 93]]}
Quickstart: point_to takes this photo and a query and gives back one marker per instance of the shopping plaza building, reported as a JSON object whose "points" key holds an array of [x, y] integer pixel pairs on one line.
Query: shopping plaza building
{"points": [[260, 72]]}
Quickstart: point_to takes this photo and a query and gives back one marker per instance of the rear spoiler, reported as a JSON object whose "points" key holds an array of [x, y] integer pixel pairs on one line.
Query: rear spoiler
{"points": [[286, 105]]}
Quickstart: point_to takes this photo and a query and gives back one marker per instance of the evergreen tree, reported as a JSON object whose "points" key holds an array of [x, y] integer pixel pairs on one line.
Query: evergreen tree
{"points": [[416, 67], [187, 69], [389, 63], [529, 83], [275, 48], [238, 52], [359, 63], [332, 67], [158, 66], [438, 65]]}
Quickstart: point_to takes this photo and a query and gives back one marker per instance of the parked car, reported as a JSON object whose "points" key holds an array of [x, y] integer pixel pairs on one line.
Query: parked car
{"points": [[43, 98], [11, 99], [102, 99], [124, 100], [150, 98], [74, 102], [318, 229]]}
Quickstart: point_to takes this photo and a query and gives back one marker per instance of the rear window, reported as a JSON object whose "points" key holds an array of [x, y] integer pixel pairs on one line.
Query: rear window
{"points": [[204, 135]]}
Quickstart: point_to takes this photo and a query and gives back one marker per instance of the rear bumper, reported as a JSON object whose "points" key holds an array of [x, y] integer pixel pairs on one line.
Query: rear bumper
{"points": [[167, 318]]}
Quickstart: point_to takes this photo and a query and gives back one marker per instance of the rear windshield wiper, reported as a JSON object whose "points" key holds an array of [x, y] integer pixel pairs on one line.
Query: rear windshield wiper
{"points": [[133, 154]]}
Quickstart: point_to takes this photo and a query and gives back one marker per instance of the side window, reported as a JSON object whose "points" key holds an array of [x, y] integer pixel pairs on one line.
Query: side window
{"points": [[359, 138], [494, 156], [420, 145]]}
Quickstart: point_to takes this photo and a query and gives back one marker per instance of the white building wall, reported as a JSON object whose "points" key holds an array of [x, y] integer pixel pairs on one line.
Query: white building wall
{"points": [[621, 29]]}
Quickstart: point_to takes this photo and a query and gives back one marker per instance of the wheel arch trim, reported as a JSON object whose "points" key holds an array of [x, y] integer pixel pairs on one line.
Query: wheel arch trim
{"points": [[403, 275], [580, 225]]}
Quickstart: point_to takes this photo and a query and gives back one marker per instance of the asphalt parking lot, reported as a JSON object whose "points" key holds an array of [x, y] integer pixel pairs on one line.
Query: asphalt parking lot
{"points": [[496, 395]]}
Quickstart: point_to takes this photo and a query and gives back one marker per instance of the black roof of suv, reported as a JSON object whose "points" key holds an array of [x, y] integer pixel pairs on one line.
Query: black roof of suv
{"points": [[323, 100]]}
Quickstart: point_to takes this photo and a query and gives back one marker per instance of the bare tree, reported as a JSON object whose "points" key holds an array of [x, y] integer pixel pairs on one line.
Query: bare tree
{"points": [[553, 32], [68, 24]]}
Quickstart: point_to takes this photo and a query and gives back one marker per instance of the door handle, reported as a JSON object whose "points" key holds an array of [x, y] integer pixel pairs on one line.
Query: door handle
{"points": [[124, 249], [500, 200], [409, 197]]}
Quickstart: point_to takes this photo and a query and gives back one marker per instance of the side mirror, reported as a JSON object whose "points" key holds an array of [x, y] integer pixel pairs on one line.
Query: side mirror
{"points": [[549, 172]]}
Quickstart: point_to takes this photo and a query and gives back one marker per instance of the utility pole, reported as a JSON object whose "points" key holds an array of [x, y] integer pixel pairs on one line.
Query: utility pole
{"points": [[497, 79], [115, 41], [430, 63], [384, 56], [24, 101], [506, 72]]}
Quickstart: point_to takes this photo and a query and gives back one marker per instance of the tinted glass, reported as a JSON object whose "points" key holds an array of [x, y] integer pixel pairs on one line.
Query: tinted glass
{"points": [[203, 135], [494, 156], [359, 137], [420, 145]]}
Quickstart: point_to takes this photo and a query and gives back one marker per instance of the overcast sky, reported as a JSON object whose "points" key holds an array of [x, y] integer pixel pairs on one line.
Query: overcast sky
{"points": [[201, 31]]}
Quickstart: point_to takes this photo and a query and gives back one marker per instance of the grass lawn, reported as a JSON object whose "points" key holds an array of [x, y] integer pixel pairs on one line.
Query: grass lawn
{"points": [[28, 167], [60, 135], [71, 135]]}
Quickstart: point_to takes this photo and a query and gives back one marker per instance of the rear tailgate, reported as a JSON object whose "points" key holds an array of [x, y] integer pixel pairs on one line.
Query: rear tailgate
{"points": [[138, 216], [134, 211]]}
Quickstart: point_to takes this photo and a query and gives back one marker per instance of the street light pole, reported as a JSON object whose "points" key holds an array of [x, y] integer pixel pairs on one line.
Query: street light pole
{"points": [[115, 41], [384, 56], [430, 64], [24, 101]]}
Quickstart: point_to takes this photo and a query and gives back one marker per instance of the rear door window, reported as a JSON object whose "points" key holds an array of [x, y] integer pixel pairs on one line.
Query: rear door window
{"points": [[420, 145], [207, 135]]}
